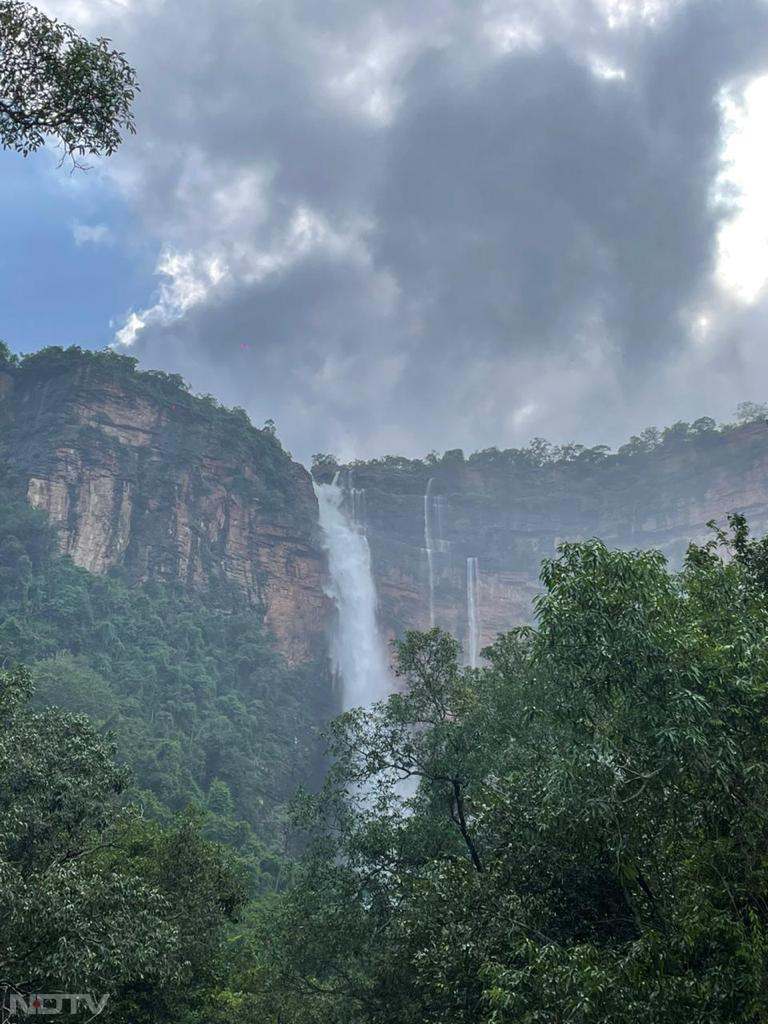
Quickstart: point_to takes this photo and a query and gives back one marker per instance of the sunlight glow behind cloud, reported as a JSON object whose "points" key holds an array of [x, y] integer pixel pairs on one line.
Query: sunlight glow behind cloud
{"points": [[742, 266], [620, 13]]}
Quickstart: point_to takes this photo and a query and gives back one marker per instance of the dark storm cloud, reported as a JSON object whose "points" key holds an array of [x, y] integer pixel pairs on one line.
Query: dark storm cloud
{"points": [[433, 238], [541, 193]]}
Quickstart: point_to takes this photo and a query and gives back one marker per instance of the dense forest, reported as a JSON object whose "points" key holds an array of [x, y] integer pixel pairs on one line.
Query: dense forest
{"points": [[574, 832], [201, 706]]}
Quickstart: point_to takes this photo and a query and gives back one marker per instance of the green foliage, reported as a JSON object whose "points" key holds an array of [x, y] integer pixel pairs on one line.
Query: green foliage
{"points": [[232, 425], [67, 681], [190, 422], [196, 696], [749, 412], [642, 443], [576, 832], [56, 84], [703, 425], [453, 456], [540, 453], [751, 555], [94, 898], [7, 358]]}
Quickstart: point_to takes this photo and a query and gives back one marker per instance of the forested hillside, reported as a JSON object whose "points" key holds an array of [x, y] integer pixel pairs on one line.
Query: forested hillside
{"points": [[98, 899], [574, 831], [202, 706], [132, 840]]}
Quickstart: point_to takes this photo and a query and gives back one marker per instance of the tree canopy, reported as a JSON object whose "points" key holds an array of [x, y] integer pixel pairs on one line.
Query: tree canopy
{"points": [[196, 696], [95, 898], [576, 832], [56, 84]]}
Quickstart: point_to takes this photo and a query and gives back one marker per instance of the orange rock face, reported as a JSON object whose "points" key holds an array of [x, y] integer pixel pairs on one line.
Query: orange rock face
{"points": [[172, 490]]}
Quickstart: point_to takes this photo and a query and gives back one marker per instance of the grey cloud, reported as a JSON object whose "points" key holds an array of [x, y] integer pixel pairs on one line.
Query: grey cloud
{"points": [[519, 239]]}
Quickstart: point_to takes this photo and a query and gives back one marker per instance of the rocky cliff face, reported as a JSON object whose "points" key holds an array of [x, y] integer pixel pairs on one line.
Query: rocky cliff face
{"points": [[138, 474], [509, 517]]}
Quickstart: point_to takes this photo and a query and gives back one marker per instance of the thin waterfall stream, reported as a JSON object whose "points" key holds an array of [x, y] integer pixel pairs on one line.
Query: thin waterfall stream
{"points": [[429, 547], [473, 611]]}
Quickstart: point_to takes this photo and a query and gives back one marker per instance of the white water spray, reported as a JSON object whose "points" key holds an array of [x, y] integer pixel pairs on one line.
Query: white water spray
{"points": [[357, 650], [472, 610]]}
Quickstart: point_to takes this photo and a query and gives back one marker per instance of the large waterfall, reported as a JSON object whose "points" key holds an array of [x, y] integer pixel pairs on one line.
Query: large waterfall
{"points": [[472, 611], [357, 650]]}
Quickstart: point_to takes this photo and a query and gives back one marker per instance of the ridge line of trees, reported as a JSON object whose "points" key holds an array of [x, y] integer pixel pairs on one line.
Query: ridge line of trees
{"points": [[539, 452]]}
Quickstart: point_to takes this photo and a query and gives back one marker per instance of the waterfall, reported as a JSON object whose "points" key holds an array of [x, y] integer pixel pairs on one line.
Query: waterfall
{"points": [[472, 610], [429, 546], [354, 498], [441, 545], [359, 511], [357, 650]]}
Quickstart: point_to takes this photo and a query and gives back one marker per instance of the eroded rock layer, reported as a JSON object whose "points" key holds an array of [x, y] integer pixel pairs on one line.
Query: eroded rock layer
{"points": [[138, 474]]}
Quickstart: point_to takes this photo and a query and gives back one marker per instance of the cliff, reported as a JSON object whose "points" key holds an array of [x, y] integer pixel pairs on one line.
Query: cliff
{"points": [[509, 514], [138, 474]]}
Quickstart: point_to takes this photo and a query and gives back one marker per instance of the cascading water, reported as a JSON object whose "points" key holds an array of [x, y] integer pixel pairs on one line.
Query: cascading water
{"points": [[473, 611], [433, 541], [430, 551], [359, 511], [354, 498], [357, 650], [440, 544]]}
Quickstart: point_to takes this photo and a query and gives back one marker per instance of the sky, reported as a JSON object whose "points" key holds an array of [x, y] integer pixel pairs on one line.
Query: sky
{"points": [[394, 227]]}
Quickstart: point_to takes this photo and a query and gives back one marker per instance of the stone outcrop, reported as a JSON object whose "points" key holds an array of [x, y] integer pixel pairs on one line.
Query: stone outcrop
{"points": [[168, 487]]}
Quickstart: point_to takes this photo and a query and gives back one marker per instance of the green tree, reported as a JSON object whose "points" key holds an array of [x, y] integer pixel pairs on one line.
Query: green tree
{"points": [[576, 832], [703, 425], [93, 898], [750, 412], [68, 682], [56, 84], [193, 694], [7, 358]]}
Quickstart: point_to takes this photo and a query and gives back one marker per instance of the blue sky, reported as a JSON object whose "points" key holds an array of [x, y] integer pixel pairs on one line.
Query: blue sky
{"points": [[54, 291]]}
